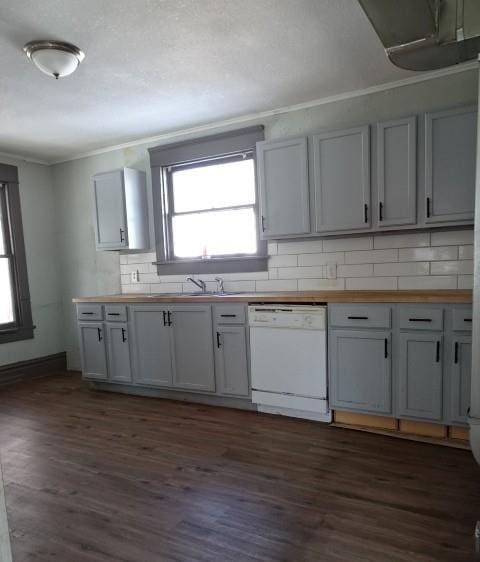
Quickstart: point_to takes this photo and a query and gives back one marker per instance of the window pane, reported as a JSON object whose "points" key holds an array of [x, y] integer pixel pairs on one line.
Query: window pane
{"points": [[2, 241], [6, 297], [215, 233], [218, 185]]}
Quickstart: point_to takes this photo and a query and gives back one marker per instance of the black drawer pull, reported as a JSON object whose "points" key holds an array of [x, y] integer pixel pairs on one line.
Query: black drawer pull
{"points": [[419, 319], [386, 348], [113, 313], [228, 315], [467, 319], [88, 313], [357, 317], [455, 360], [437, 355]]}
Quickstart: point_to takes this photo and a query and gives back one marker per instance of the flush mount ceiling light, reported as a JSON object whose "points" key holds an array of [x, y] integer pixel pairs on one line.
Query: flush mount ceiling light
{"points": [[54, 58]]}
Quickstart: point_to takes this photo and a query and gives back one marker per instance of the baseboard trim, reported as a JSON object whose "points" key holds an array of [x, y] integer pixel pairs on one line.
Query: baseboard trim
{"points": [[33, 368]]}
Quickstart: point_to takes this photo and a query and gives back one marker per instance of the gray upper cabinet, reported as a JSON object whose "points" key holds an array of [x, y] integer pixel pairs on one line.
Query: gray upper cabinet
{"points": [[118, 352], [121, 215], [420, 376], [450, 154], [192, 347], [397, 172], [93, 353], [151, 345], [360, 371], [231, 360], [341, 180], [283, 185], [460, 379]]}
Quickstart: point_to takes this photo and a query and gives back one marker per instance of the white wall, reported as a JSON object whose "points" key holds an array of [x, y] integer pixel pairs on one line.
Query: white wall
{"points": [[40, 231], [87, 272]]}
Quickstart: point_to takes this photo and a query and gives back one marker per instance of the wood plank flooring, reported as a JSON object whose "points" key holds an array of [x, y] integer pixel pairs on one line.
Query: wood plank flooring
{"points": [[97, 477]]}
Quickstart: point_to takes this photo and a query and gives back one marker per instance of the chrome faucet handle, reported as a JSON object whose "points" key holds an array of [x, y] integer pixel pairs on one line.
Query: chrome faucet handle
{"points": [[221, 288]]}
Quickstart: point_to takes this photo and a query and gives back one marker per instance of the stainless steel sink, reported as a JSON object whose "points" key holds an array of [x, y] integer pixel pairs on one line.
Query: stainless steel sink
{"points": [[194, 294]]}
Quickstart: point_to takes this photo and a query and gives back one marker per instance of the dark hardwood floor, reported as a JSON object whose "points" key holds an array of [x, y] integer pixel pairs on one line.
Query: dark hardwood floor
{"points": [[92, 476]]}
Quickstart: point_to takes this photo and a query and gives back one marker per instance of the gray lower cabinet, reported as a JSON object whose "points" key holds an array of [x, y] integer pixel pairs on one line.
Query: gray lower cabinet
{"points": [[360, 370], [461, 353], [192, 347], [151, 346], [92, 350], [118, 343], [450, 141], [283, 184], [420, 383], [231, 360]]}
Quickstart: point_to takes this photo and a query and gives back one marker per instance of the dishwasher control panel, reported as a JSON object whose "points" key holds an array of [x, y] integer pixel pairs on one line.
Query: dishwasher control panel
{"points": [[306, 317]]}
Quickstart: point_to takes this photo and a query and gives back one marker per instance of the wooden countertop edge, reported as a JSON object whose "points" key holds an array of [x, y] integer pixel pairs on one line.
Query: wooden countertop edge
{"points": [[445, 296]]}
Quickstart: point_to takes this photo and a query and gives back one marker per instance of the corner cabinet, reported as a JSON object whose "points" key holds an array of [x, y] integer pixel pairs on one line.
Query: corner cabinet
{"points": [[121, 215], [283, 185], [450, 156], [341, 180]]}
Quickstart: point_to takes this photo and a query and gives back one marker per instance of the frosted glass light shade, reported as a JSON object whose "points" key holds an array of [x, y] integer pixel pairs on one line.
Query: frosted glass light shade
{"points": [[54, 58]]}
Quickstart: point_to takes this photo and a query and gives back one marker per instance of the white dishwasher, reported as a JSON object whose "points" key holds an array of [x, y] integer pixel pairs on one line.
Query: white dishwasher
{"points": [[288, 360]]}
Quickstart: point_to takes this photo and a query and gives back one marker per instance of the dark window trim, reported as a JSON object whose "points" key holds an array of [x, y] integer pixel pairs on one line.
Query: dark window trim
{"points": [[194, 153], [22, 328]]}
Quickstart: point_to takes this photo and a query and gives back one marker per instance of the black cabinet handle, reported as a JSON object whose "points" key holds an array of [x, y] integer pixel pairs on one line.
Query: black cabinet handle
{"points": [[87, 313], [419, 319], [263, 223], [113, 313], [357, 317], [124, 339], [467, 319], [365, 213], [122, 238], [380, 211], [455, 360], [386, 348], [164, 317], [428, 207], [99, 332], [228, 315], [437, 355], [218, 340], [169, 316]]}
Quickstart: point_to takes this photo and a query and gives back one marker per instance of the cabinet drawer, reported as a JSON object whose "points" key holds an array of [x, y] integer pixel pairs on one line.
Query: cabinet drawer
{"points": [[116, 312], [229, 314], [417, 318], [362, 315], [462, 320], [89, 312]]}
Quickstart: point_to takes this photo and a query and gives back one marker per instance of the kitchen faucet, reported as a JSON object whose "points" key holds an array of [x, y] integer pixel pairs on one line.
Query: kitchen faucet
{"points": [[199, 283], [221, 288]]}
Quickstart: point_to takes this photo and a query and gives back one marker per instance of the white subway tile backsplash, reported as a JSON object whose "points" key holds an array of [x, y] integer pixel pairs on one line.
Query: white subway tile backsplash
{"points": [[321, 259], [406, 240], [401, 269], [452, 267], [372, 283], [372, 256], [438, 260], [428, 282], [428, 254], [452, 237], [348, 244]]}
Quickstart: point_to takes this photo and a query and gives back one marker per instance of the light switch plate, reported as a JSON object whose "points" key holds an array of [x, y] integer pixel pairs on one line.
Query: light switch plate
{"points": [[331, 270], [134, 276]]}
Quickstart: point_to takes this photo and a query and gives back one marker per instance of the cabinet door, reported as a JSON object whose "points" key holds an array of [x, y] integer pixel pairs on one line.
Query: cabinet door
{"points": [[231, 361], [151, 348], [450, 145], [283, 184], [360, 371], [420, 375], [341, 163], [192, 347], [460, 378], [110, 220], [92, 350], [118, 353], [397, 172]]}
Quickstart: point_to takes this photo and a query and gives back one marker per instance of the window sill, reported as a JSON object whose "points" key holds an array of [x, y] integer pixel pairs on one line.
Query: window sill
{"points": [[16, 334], [242, 264]]}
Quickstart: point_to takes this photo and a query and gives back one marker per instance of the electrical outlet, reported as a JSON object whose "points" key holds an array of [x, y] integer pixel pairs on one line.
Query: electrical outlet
{"points": [[134, 276], [331, 270]]}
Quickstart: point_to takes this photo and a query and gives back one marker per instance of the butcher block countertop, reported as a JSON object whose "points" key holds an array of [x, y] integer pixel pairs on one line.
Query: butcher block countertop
{"points": [[438, 296]]}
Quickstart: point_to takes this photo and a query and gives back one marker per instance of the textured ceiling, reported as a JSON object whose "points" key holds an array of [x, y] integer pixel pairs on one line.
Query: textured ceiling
{"points": [[154, 66]]}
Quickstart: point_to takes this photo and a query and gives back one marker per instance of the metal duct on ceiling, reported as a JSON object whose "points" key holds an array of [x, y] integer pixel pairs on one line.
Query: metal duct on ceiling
{"points": [[426, 34]]}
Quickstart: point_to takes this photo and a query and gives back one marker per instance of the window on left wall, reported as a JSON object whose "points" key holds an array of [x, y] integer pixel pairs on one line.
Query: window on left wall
{"points": [[15, 308]]}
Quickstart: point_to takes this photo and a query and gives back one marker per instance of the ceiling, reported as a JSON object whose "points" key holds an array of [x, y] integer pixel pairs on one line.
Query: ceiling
{"points": [[154, 66]]}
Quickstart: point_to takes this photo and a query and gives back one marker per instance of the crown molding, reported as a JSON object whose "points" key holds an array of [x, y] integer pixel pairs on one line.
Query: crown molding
{"points": [[23, 158], [256, 117]]}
